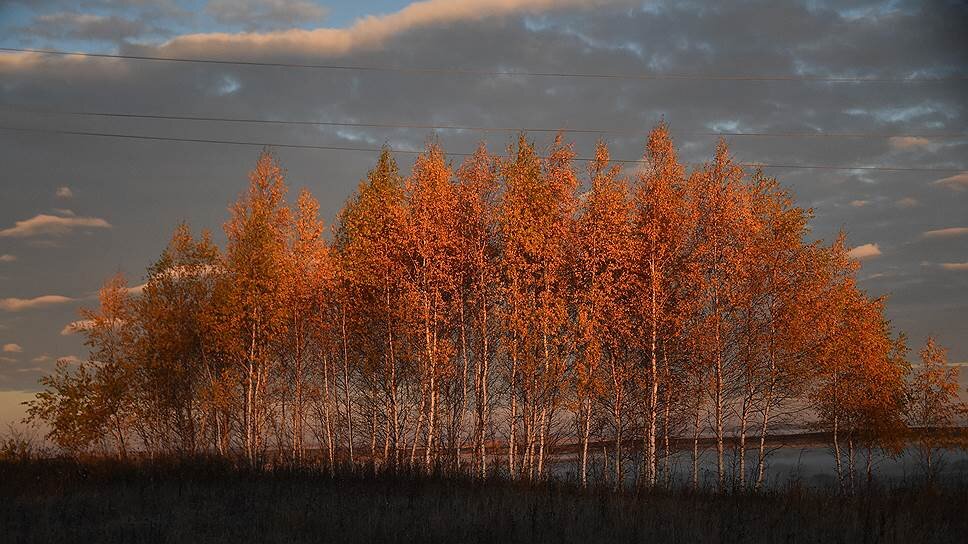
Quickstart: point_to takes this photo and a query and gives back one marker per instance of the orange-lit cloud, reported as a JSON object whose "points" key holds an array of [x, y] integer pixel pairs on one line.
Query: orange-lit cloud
{"points": [[865, 251], [76, 326], [19, 304], [908, 142], [957, 182], [7, 258], [51, 225], [954, 266], [946, 233], [12, 348], [367, 32]]}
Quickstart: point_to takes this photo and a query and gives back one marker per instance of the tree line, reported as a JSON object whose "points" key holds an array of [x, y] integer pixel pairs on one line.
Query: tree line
{"points": [[482, 317]]}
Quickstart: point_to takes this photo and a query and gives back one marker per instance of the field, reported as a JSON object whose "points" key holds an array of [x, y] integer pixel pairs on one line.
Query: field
{"points": [[57, 500]]}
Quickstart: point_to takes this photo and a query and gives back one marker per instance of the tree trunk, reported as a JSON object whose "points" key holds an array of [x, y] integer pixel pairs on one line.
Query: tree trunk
{"points": [[586, 432], [346, 385]]}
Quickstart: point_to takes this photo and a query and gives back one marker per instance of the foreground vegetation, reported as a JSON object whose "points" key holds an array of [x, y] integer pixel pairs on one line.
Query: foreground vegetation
{"points": [[58, 500]]}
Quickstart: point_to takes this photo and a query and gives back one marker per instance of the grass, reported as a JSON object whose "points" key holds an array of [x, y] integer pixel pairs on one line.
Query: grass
{"points": [[64, 500]]}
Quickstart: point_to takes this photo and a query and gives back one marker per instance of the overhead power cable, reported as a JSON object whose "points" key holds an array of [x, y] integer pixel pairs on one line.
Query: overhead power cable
{"points": [[414, 152], [505, 73], [480, 128]]}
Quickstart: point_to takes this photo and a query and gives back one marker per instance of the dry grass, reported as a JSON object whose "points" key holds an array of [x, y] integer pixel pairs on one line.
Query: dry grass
{"points": [[58, 500]]}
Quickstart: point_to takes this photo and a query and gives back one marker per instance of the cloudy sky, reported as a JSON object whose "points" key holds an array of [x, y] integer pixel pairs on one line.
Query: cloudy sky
{"points": [[75, 209]]}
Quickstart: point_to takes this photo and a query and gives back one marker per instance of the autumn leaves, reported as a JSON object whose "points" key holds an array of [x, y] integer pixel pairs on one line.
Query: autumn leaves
{"points": [[478, 318]]}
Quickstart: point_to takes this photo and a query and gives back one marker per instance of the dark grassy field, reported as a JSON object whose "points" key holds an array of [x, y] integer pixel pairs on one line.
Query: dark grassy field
{"points": [[209, 501]]}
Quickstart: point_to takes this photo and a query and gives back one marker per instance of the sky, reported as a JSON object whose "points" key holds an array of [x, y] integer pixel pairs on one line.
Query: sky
{"points": [[77, 209]]}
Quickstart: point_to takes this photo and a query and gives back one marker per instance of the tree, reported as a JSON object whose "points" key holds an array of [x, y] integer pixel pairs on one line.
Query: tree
{"points": [[859, 386], [480, 288], [370, 238], [251, 311], [85, 405], [432, 282], [537, 218], [933, 404], [659, 236], [602, 291], [175, 382], [723, 233], [304, 279]]}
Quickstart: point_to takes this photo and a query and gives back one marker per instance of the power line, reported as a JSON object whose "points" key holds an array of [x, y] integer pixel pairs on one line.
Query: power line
{"points": [[455, 154], [507, 73], [479, 128]]}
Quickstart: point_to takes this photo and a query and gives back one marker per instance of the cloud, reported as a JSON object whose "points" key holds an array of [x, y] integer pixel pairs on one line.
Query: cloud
{"points": [[84, 26], [957, 182], [64, 192], [907, 202], [137, 289], [146, 190], [955, 266], [365, 33], [19, 304], [12, 348], [76, 326], [859, 203], [950, 232], [51, 225], [865, 251], [908, 142], [42, 359], [64, 211], [255, 14], [7, 258], [72, 359], [8, 360]]}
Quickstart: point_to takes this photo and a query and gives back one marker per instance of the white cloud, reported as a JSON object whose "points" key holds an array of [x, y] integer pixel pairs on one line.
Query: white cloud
{"points": [[955, 266], [7, 258], [367, 32], [957, 182], [12, 348], [51, 225], [18, 304], [909, 142], [865, 251], [76, 326], [946, 233], [42, 359], [64, 192], [137, 289]]}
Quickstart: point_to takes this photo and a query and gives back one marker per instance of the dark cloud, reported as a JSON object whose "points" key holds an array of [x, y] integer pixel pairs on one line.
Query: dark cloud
{"points": [[144, 188], [80, 26], [265, 14]]}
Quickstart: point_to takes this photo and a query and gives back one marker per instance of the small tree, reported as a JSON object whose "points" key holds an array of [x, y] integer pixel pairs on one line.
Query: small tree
{"points": [[933, 405], [89, 404]]}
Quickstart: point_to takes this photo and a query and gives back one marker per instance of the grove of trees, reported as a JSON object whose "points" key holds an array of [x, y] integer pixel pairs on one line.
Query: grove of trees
{"points": [[485, 317]]}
